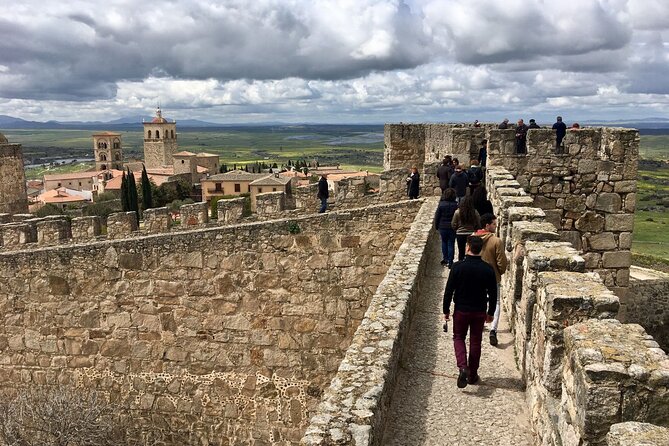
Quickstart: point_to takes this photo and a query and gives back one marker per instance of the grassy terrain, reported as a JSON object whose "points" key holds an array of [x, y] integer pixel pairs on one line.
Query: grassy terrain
{"points": [[654, 147], [37, 173]]}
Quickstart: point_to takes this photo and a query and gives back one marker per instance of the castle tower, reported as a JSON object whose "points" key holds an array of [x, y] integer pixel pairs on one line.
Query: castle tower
{"points": [[13, 196], [108, 151], [160, 141]]}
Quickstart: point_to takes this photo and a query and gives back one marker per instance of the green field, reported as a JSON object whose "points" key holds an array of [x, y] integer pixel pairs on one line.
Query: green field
{"points": [[355, 147]]}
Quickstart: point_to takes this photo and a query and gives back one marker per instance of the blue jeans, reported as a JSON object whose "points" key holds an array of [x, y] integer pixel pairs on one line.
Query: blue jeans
{"points": [[324, 205], [447, 244]]}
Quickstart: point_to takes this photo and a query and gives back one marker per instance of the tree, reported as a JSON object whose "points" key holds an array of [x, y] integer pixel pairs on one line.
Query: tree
{"points": [[124, 193], [147, 195]]}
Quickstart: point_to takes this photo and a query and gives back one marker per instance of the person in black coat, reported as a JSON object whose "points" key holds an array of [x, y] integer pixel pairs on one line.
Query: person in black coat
{"points": [[444, 173], [413, 183], [323, 193], [560, 132], [481, 202], [442, 223], [459, 181], [521, 137]]}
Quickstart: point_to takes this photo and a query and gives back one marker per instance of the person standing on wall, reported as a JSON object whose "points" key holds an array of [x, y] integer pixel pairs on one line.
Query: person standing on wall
{"points": [[493, 254], [465, 221], [413, 183], [504, 124], [459, 181], [442, 223], [521, 137], [483, 153], [560, 132], [471, 285], [533, 124], [444, 173], [323, 192]]}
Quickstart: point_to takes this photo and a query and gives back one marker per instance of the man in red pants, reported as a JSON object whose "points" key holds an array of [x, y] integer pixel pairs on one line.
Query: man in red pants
{"points": [[474, 284]]}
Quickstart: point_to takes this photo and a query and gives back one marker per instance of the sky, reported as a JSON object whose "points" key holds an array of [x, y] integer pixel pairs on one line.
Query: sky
{"points": [[345, 61]]}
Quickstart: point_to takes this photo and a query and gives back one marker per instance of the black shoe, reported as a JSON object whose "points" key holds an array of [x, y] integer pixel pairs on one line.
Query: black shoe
{"points": [[473, 379], [493, 338], [443, 263], [462, 379]]}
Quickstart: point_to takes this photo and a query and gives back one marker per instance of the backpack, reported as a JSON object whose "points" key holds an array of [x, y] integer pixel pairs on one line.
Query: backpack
{"points": [[474, 174]]}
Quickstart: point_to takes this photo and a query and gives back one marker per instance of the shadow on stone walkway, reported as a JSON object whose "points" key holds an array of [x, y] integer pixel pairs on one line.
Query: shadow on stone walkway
{"points": [[428, 408]]}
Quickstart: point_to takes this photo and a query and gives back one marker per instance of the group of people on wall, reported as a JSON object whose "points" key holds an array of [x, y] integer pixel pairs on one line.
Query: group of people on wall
{"points": [[522, 128]]}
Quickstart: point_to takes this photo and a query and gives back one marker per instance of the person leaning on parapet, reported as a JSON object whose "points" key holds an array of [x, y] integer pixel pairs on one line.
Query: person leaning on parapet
{"points": [[323, 192], [533, 124], [560, 132], [493, 254], [521, 137], [471, 285], [413, 183], [459, 181], [442, 223], [444, 173], [504, 124]]}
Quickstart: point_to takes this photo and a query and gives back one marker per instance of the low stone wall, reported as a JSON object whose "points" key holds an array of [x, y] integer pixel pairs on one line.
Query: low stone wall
{"points": [[157, 220], [121, 224], [306, 198], [231, 211], [353, 407], [224, 333], [648, 305], [270, 204], [606, 372], [53, 230], [193, 215], [86, 228]]}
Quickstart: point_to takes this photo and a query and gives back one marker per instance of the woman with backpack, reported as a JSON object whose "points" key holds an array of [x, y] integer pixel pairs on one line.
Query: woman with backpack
{"points": [[465, 221], [442, 222]]}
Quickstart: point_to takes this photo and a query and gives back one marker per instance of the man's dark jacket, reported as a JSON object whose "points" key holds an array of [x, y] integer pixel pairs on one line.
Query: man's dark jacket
{"points": [[444, 174], [474, 284], [560, 128], [444, 214], [459, 182], [323, 191]]}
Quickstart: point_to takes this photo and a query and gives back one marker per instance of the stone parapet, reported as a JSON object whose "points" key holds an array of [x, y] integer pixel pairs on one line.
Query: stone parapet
{"points": [[157, 220], [632, 433], [53, 230], [353, 407], [193, 215], [393, 184], [5, 218], [17, 218], [270, 204], [648, 304], [306, 197], [613, 373], [404, 146], [231, 211], [86, 228], [15, 235], [121, 224]]}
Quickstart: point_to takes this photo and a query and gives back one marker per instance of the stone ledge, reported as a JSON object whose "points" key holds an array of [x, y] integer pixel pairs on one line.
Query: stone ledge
{"points": [[351, 411], [633, 433]]}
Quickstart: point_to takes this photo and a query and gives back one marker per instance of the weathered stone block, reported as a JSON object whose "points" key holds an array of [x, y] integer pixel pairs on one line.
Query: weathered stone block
{"points": [[195, 214], [617, 259], [157, 220], [626, 186], [232, 211], [53, 231], [121, 224], [619, 222], [633, 433], [590, 222], [86, 228], [608, 202], [602, 242]]}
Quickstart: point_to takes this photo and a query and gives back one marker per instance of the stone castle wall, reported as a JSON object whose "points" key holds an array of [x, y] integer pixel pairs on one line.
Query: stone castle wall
{"points": [[230, 332], [584, 370], [13, 196]]}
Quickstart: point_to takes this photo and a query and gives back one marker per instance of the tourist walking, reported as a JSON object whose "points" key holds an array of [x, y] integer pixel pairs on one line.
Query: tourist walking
{"points": [[413, 183], [444, 173], [483, 153], [442, 223], [521, 137], [471, 285], [474, 175], [504, 124], [323, 192], [560, 132], [459, 181], [465, 222], [481, 202], [493, 254]]}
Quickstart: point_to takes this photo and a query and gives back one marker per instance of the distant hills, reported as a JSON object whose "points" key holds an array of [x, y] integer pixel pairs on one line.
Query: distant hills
{"points": [[135, 122]]}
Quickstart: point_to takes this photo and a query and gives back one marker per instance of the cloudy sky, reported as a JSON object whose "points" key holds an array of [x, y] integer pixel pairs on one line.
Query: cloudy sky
{"points": [[350, 61]]}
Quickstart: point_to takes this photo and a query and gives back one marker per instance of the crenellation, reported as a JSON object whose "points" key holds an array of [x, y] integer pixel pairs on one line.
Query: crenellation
{"points": [[52, 231], [157, 220], [270, 204], [121, 224], [231, 211], [86, 228], [194, 215]]}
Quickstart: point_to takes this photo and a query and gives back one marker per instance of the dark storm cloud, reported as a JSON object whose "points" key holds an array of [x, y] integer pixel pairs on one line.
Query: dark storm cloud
{"points": [[261, 40]]}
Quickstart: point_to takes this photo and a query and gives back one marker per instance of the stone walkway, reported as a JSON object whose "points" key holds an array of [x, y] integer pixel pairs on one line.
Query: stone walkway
{"points": [[428, 408]]}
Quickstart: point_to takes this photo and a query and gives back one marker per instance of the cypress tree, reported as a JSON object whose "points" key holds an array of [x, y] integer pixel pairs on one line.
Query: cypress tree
{"points": [[147, 198], [133, 201], [124, 193]]}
